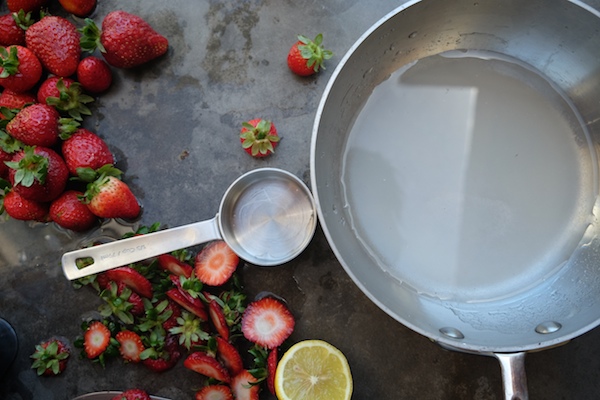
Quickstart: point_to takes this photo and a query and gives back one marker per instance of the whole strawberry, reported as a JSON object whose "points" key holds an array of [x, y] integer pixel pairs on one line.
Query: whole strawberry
{"points": [[306, 57], [20, 69], [38, 173], [12, 28], [94, 75], [110, 197], [15, 100], [65, 95], [18, 207], [70, 213], [85, 149], [259, 137], [55, 41], [126, 40], [35, 125], [50, 357], [8, 147], [25, 5], [79, 8]]}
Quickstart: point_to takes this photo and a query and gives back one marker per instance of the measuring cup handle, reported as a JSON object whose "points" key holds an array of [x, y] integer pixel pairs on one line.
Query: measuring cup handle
{"points": [[126, 251]]}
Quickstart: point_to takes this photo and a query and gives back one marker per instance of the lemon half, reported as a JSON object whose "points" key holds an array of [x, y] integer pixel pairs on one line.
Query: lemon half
{"points": [[313, 370]]}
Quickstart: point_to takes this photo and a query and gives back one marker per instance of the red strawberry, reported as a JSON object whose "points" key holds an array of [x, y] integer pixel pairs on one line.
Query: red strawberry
{"points": [[206, 365], [79, 8], [55, 41], [12, 28], [4, 156], [272, 361], [50, 357], [65, 95], [229, 356], [244, 386], [171, 322], [133, 394], [20, 208], [35, 125], [109, 197], [96, 339], [126, 40], [259, 137], [38, 173], [94, 75], [25, 5], [216, 263], [15, 100], [218, 319], [214, 392], [131, 345], [70, 213], [306, 56], [194, 306], [133, 279], [267, 322], [85, 149], [20, 69], [159, 361], [172, 264]]}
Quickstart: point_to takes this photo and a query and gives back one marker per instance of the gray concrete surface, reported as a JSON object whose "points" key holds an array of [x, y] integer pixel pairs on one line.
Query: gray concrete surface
{"points": [[173, 126]]}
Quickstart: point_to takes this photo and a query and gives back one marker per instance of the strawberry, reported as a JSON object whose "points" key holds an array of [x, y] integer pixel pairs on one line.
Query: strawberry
{"points": [[126, 40], [8, 147], [50, 357], [131, 345], [120, 300], [4, 157], [194, 306], [259, 137], [189, 330], [163, 359], [244, 386], [306, 56], [38, 173], [171, 321], [207, 365], [25, 5], [272, 361], [79, 8], [216, 263], [20, 208], [55, 41], [229, 356], [109, 197], [217, 317], [175, 266], [267, 322], [96, 339], [133, 279], [12, 28], [35, 125], [65, 95], [214, 392], [15, 100], [85, 149], [94, 75], [133, 394], [70, 213], [20, 69]]}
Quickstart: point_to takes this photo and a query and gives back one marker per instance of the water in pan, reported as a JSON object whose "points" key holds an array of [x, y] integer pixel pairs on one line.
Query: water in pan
{"points": [[468, 177]]}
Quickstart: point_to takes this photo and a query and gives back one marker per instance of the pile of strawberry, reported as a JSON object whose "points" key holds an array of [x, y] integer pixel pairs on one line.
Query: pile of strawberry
{"points": [[52, 168], [192, 307]]}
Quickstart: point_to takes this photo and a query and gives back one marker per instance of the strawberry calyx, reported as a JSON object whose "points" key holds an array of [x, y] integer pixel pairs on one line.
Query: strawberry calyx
{"points": [[313, 52], [23, 19], [189, 330], [9, 61], [117, 304], [259, 137], [90, 37], [32, 167], [71, 100], [49, 356], [67, 127], [97, 179], [9, 144]]}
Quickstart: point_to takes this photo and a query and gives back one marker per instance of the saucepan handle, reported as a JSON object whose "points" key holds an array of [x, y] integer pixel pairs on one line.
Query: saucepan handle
{"points": [[514, 378]]}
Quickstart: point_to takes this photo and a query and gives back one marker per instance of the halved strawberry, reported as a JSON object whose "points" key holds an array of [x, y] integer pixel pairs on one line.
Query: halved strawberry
{"points": [[218, 319], [229, 356], [172, 264], [272, 361], [244, 386], [96, 339], [131, 345], [267, 322], [194, 306], [133, 279], [206, 365], [216, 263], [214, 392]]}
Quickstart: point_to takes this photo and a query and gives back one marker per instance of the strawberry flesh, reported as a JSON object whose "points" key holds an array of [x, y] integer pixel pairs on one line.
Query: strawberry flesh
{"points": [[96, 339], [206, 365], [194, 306], [229, 356], [131, 345], [267, 322], [216, 263], [218, 319], [133, 279], [243, 388], [175, 266], [214, 392]]}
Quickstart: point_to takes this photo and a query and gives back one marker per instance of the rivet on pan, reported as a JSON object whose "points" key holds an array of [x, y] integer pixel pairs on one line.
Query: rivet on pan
{"points": [[548, 327], [452, 333]]}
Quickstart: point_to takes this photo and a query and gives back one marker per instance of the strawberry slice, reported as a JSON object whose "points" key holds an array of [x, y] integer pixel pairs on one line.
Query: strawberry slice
{"points": [[133, 279], [174, 265], [244, 386], [218, 319], [271, 369], [267, 322], [229, 356], [195, 306], [206, 365], [216, 263], [96, 339], [214, 392], [131, 345]]}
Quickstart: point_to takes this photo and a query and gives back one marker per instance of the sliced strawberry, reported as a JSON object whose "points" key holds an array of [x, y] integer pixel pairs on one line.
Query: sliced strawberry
{"points": [[229, 356], [272, 361], [244, 386], [133, 394], [208, 366], [218, 319], [216, 263], [175, 266], [133, 279], [214, 392], [267, 322], [171, 322], [131, 345], [195, 306], [96, 339]]}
